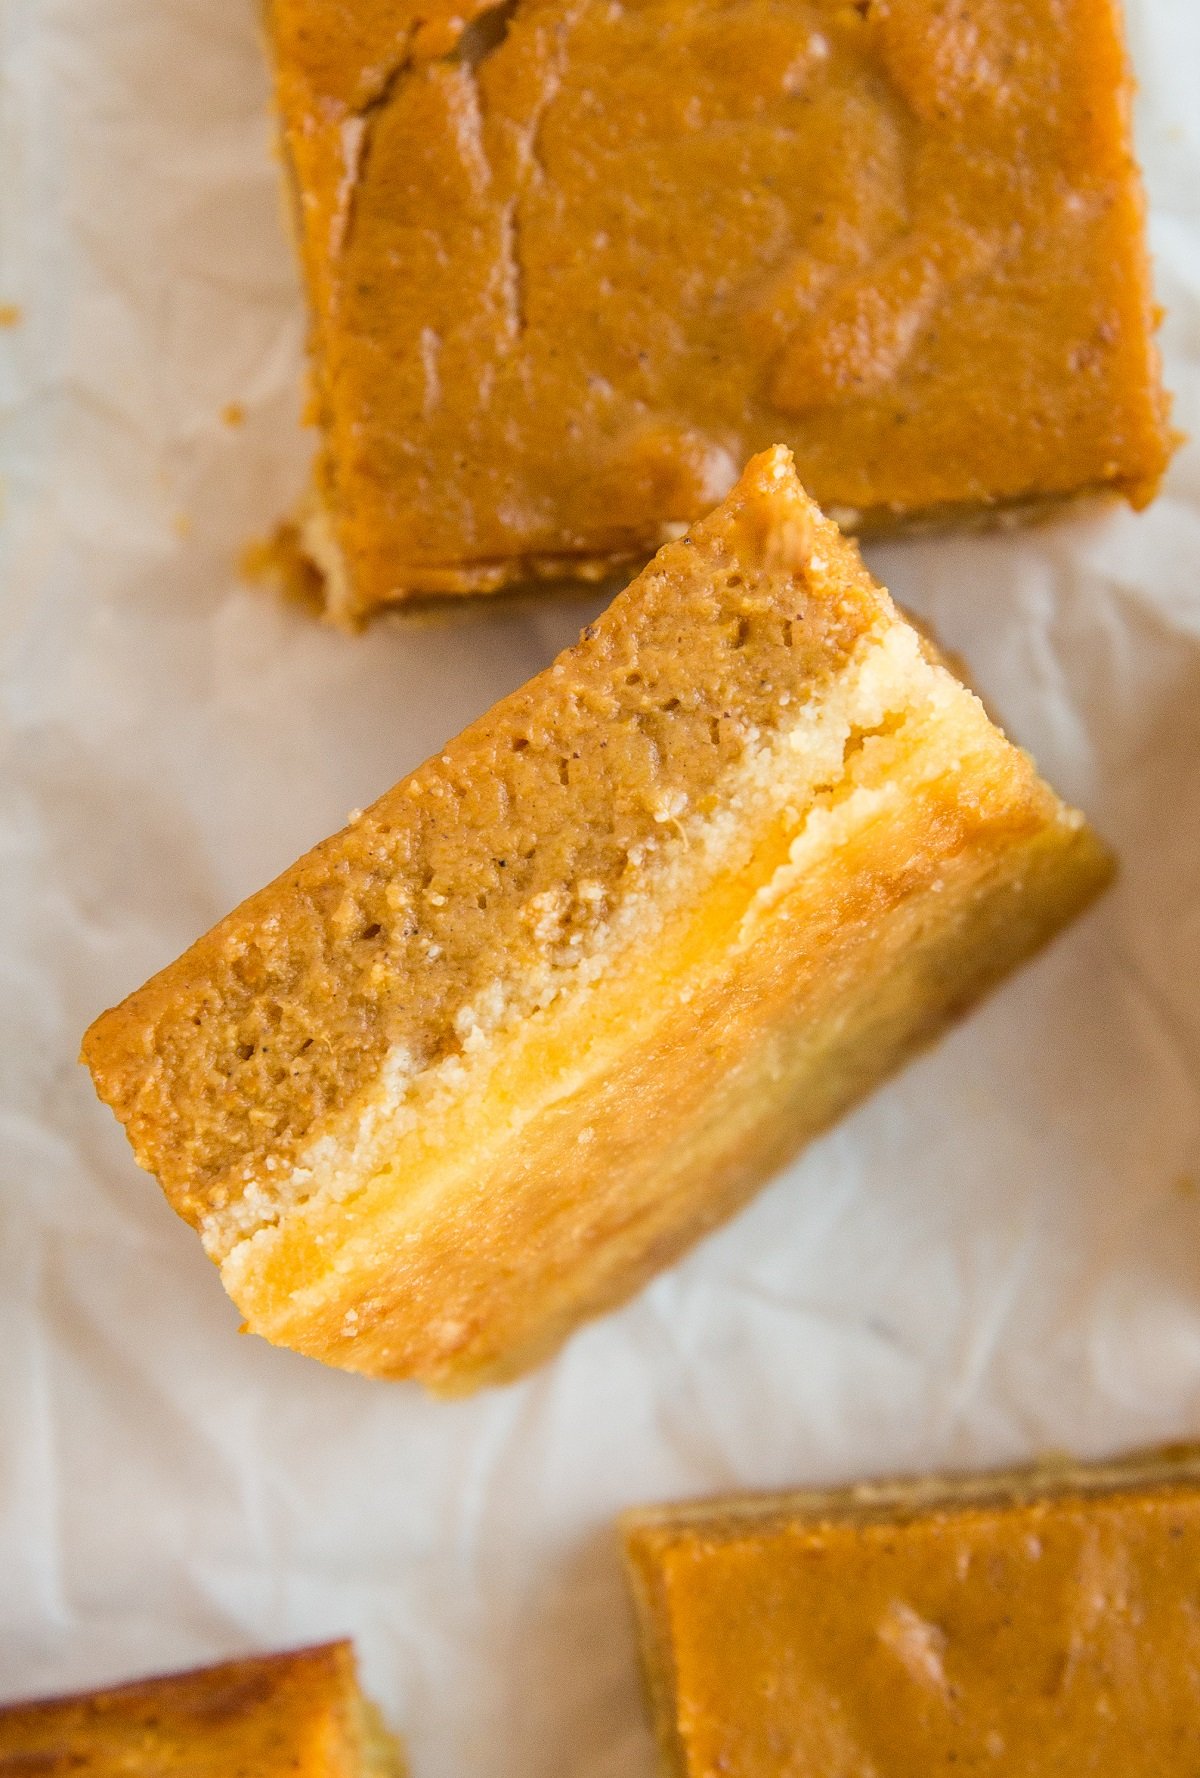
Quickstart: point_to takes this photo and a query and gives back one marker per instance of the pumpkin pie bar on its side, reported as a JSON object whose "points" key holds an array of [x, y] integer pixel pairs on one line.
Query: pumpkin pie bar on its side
{"points": [[480, 1064], [295, 1715], [1037, 1623], [570, 264]]}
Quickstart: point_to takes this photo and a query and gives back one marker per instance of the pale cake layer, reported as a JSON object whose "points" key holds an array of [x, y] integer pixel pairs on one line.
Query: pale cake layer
{"points": [[831, 852], [550, 1176], [1027, 1624], [295, 1715], [568, 266]]}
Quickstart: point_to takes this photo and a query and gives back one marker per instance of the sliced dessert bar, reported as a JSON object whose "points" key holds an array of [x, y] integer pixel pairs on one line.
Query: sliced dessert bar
{"points": [[569, 265], [1024, 1625], [561, 1000], [296, 1715]]}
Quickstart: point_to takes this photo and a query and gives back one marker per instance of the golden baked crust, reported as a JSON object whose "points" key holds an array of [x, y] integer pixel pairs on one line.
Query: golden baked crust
{"points": [[562, 999], [1032, 1623], [295, 1715], [570, 264]]}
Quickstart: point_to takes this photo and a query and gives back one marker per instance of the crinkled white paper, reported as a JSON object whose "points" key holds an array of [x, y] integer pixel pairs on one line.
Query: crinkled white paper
{"points": [[999, 1254]]}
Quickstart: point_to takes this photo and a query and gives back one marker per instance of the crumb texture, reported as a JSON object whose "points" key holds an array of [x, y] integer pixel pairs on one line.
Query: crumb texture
{"points": [[507, 854]]}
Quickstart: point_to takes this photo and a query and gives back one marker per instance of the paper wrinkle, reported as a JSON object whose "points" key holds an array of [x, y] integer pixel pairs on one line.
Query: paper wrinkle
{"points": [[998, 1254]]}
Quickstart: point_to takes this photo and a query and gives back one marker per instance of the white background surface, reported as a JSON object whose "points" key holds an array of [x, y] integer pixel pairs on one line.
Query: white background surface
{"points": [[999, 1254]]}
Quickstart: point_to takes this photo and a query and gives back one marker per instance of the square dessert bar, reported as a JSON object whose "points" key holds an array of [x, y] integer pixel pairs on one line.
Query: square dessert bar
{"points": [[569, 264], [296, 1715], [480, 1064], [1031, 1625]]}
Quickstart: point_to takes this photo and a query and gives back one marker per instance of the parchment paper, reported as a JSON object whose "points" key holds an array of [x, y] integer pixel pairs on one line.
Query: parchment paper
{"points": [[999, 1254]]}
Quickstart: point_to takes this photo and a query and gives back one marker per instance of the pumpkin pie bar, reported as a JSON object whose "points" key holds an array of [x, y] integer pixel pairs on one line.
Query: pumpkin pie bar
{"points": [[1025, 1625], [569, 265], [561, 1000], [297, 1715]]}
